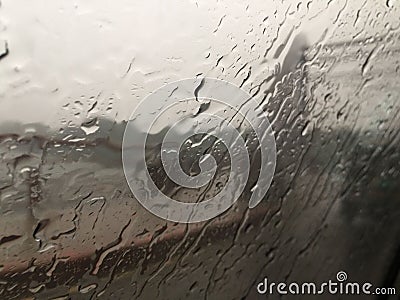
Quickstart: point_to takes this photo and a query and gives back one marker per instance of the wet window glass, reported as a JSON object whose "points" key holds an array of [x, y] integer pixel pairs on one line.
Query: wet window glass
{"points": [[316, 194]]}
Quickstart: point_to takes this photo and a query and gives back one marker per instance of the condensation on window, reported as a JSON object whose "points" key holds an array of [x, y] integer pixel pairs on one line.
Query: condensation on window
{"points": [[326, 73]]}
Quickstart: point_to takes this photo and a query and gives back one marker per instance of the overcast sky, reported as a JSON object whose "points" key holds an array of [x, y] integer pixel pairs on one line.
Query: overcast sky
{"points": [[65, 56]]}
